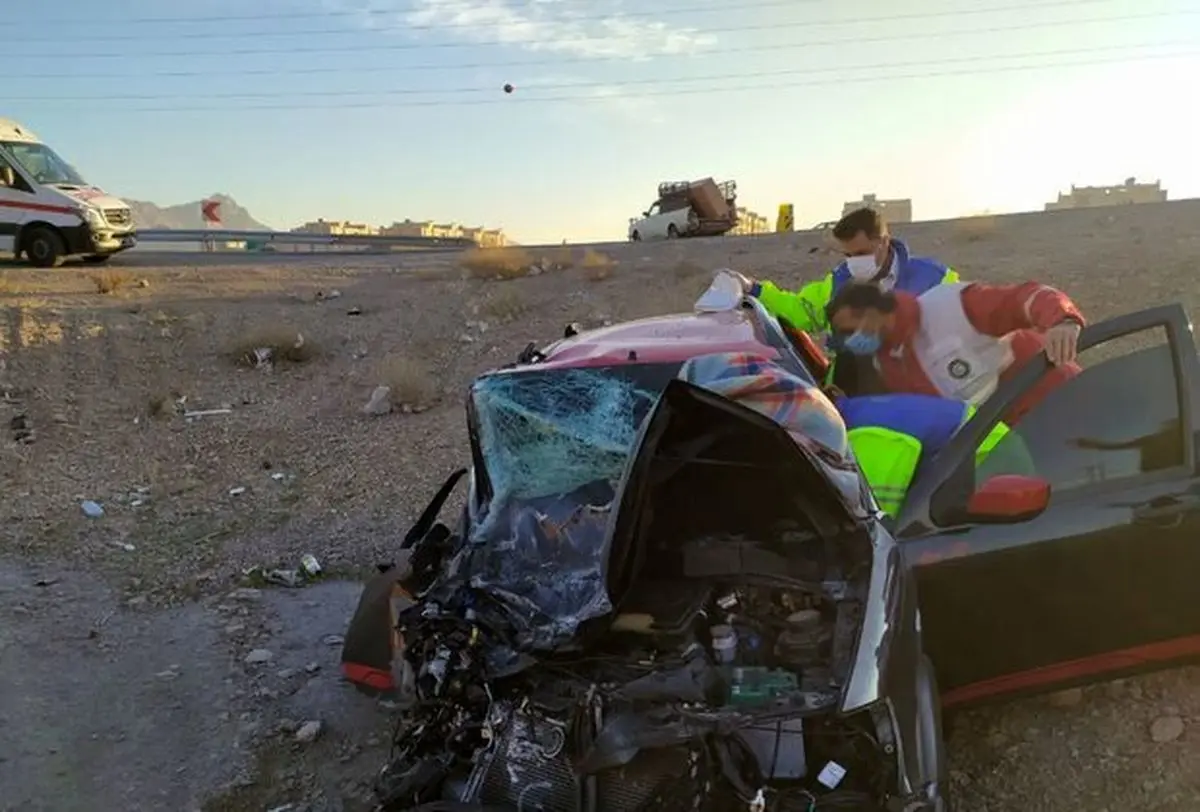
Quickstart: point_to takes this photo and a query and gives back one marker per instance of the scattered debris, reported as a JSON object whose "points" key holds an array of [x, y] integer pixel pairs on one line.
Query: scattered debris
{"points": [[354, 311], [246, 594], [238, 491], [259, 656], [91, 509], [310, 565], [207, 413], [333, 294], [22, 429], [124, 545], [51, 581], [308, 732], [380, 402], [333, 639]]}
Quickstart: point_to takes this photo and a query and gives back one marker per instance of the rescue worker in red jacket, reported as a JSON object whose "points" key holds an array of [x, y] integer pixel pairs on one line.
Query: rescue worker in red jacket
{"points": [[959, 340]]}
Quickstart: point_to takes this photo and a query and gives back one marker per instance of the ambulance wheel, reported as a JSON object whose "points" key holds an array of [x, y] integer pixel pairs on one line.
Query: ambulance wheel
{"points": [[672, 232], [43, 248], [97, 259]]}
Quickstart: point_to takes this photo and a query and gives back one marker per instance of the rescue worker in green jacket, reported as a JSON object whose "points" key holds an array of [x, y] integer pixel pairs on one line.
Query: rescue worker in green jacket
{"points": [[894, 436], [870, 254]]}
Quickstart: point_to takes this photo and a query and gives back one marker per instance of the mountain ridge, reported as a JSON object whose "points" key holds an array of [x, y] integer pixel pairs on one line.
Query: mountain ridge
{"points": [[187, 215]]}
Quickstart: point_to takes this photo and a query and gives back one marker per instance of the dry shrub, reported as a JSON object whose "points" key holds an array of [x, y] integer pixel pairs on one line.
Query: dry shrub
{"points": [[411, 382], [503, 305], [597, 266], [496, 263], [109, 280], [976, 228], [284, 344]]}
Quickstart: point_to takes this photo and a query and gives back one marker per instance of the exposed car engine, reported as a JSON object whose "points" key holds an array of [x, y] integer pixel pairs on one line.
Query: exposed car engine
{"points": [[703, 694]]}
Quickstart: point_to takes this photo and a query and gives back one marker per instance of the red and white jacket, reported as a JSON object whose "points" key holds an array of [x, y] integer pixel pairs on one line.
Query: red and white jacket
{"points": [[961, 340]]}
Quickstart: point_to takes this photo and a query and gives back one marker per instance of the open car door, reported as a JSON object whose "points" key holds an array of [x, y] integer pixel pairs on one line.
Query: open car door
{"points": [[1025, 588]]}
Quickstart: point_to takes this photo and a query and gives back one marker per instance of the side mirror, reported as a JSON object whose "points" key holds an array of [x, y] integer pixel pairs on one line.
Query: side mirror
{"points": [[7, 176], [1009, 498]]}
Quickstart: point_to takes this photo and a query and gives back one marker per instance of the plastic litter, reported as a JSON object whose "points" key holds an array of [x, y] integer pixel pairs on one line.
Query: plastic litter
{"points": [[724, 294], [91, 509]]}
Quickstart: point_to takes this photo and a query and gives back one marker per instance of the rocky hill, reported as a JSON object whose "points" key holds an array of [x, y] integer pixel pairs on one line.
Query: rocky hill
{"points": [[187, 215]]}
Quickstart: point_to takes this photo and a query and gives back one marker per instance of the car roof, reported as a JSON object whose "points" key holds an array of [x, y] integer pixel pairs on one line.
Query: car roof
{"points": [[662, 339]]}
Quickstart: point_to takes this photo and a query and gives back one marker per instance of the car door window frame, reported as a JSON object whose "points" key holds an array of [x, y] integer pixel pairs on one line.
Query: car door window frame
{"points": [[950, 477]]}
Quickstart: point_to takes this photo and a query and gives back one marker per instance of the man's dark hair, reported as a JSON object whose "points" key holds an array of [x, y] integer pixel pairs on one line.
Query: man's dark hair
{"points": [[860, 221], [858, 295]]}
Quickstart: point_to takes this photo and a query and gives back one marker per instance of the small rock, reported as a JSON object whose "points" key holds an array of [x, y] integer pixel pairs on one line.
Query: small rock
{"points": [[312, 668], [1067, 699], [235, 628], [286, 673], [238, 491], [1166, 729], [380, 402], [308, 732], [143, 283], [258, 656], [333, 639], [91, 509]]}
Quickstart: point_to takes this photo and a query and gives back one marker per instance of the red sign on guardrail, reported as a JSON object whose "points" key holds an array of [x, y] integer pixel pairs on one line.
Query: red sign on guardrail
{"points": [[210, 210]]}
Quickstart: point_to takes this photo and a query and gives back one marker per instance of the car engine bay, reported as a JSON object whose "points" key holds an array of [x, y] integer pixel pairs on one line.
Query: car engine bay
{"points": [[702, 694]]}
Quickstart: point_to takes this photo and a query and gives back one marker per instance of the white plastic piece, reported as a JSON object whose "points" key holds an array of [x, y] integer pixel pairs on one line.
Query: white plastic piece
{"points": [[831, 775], [724, 294]]}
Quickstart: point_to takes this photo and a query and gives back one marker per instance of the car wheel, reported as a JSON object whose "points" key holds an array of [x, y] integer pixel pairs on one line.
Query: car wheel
{"points": [[97, 259], [636, 237], [43, 248], [672, 232]]}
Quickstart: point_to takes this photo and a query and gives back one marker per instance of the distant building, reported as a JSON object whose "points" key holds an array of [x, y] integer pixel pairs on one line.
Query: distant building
{"points": [[484, 237], [749, 222], [1090, 197], [337, 228], [894, 211]]}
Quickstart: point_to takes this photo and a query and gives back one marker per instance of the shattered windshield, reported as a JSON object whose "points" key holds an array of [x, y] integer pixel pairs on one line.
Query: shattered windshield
{"points": [[550, 432], [554, 444]]}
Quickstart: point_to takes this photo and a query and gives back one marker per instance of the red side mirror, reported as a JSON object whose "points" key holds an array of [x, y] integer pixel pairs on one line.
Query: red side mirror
{"points": [[1009, 498]]}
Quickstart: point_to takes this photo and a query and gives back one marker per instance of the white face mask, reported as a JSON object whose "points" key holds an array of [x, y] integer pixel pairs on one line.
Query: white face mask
{"points": [[863, 268]]}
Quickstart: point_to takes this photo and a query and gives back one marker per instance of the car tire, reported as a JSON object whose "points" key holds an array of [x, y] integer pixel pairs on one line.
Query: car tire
{"points": [[44, 248], [635, 237], [97, 259], [672, 232]]}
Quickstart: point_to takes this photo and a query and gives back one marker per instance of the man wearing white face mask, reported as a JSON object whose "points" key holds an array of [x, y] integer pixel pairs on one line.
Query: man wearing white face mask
{"points": [[871, 255]]}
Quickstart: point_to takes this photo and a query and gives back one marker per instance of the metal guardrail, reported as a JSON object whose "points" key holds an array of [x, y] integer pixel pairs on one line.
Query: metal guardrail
{"points": [[169, 235]]}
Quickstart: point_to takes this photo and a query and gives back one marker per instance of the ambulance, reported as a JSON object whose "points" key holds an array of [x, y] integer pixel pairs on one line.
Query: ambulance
{"points": [[48, 212]]}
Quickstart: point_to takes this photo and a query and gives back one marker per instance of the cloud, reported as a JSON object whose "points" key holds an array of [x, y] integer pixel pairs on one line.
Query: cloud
{"points": [[580, 28]]}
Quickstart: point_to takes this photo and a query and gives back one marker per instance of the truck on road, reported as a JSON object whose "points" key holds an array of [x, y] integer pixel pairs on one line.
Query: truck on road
{"points": [[702, 208], [48, 212]]}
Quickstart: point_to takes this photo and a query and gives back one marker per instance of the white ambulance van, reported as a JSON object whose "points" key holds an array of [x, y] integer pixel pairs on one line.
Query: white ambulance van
{"points": [[48, 212]]}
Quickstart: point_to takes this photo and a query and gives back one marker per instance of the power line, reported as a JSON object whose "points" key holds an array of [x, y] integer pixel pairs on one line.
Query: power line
{"points": [[335, 13], [408, 46], [583, 18], [525, 63], [774, 86], [391, 12], [110, 97]]}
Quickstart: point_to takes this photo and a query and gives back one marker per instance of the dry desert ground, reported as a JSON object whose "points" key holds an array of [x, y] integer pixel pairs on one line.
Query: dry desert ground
{"points": [[129, 680]]}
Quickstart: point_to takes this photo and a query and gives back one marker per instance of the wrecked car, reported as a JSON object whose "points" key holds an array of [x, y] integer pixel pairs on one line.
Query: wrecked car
{"points": [[670, 588]]}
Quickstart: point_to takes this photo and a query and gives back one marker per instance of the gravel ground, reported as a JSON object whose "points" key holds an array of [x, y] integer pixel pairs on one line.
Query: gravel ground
{"points": [[102, 381]]}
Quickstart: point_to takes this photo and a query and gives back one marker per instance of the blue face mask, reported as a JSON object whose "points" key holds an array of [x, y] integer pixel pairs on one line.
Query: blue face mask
{"points": [[860, 343]]}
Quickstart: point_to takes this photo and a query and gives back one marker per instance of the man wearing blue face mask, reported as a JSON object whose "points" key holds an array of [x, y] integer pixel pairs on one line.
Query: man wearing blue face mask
{"points": [[870, 254]]}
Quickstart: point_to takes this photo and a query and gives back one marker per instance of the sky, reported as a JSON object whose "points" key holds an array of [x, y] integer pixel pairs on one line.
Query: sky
{"points": [[380, 110]]}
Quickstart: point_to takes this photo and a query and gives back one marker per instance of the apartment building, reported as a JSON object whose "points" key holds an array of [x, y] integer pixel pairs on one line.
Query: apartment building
{"points": [[749, 222], [1090, 197], [340, 228], [894, 211], [485, 237]]}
